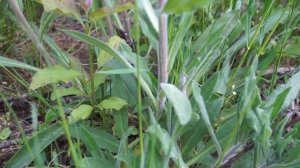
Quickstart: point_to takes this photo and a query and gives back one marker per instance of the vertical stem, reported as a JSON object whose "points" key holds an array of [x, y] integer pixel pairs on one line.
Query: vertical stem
{"points": [[139, 88], [163, 49], [76, 158]]}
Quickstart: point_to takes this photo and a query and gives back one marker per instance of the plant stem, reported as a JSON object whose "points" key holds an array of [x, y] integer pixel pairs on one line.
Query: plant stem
{"points": [[163, 49], [139, 90], [65, 125]]}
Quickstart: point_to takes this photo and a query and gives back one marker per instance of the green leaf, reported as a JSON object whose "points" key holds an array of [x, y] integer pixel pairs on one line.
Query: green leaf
{"points": [[105, 11], [179, 101], [80, 113], [61, 92], [113, 103], [52, 74], [175, 6], [92, 162], [7, 62], [36, 145], [198, 97], [5, 133]]}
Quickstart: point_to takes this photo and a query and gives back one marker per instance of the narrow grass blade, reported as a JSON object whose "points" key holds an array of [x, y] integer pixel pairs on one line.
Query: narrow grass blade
{"points": [[7, 62]]}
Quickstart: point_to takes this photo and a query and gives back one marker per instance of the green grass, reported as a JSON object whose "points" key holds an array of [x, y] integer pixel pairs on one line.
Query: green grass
{"points": [[217, 109]]}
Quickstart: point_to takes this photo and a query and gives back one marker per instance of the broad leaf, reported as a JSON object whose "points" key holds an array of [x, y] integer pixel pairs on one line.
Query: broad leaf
{"points": [[112, 103], [52, 74], [179, 101], [80, 113]]}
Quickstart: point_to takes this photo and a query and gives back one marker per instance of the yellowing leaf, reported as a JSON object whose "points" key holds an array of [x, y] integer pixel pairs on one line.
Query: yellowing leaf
{"points": [[112, 103], [105, 11], [52, 75], [104, 57], [80, 113]]}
